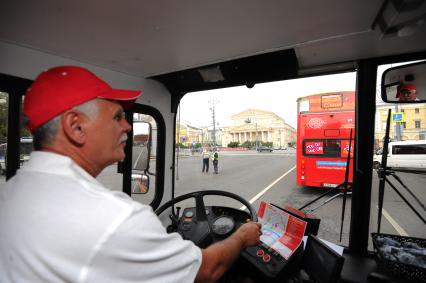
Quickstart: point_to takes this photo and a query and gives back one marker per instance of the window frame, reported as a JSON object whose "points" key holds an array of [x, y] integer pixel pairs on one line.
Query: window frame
{"points": [[417, 124], [126, 166], [325, 154]]}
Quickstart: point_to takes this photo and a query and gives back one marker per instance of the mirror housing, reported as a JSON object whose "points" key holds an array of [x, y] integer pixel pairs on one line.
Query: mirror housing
{"points": [[140, 183], [141, 150], [405, 84]]}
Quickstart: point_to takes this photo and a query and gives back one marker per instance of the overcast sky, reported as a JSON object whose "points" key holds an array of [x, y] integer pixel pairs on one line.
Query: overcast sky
{"points": [[277, 97]]}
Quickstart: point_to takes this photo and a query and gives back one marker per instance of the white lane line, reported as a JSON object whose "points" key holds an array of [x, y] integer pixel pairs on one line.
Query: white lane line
{"points": [[268, 187], [394, 224]]}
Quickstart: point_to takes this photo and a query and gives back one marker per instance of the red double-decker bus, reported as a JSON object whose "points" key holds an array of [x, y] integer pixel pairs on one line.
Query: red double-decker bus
{"points": [[323, 131]]}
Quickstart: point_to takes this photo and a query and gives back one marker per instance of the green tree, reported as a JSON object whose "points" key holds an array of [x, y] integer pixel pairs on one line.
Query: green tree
{"points": [[233, 144], [248, 144]]}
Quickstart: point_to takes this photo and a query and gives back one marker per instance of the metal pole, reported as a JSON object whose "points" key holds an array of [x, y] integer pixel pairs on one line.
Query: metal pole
{"points": [[382, 172], [214, 126], [397, 126], [346, 183], [213, 102], [177, 156]]}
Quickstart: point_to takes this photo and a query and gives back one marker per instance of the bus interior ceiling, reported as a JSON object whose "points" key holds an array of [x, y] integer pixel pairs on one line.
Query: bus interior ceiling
{"points": [[143, 39], [192, 46]]}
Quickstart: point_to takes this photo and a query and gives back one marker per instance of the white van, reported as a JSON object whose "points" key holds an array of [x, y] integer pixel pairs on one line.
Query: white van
{"points": [[404, 154]]}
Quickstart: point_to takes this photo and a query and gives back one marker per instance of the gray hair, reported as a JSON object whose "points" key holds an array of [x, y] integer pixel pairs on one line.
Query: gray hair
{"points": [[46, 133]]}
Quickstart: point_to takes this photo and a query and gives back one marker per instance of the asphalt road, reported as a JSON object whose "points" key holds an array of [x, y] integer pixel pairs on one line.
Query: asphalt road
{"points": [[250, 173]]}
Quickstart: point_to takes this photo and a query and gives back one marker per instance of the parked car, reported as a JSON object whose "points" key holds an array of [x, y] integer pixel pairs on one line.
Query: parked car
{"points": [[280, 148], [264, 148]]}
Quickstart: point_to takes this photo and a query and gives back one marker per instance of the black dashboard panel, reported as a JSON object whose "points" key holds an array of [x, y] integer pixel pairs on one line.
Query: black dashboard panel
{"points": [[189, 225]]}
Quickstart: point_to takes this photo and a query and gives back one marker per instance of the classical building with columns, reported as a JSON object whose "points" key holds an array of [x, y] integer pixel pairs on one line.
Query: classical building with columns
{"points": [[263, 126]]}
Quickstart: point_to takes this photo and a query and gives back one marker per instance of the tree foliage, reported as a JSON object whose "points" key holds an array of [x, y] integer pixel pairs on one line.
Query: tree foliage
{"points": [[233, 144]]}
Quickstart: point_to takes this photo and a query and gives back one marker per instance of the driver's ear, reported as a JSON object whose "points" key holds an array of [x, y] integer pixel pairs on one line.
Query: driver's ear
{"points": [[74, 126]]}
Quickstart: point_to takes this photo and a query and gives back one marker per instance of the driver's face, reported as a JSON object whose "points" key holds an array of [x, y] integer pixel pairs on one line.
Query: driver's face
{"points": [[407, 95], [108, 133]]}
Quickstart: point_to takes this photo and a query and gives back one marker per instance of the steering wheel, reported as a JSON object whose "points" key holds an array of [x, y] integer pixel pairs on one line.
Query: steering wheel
{"points": [[202, 227]]}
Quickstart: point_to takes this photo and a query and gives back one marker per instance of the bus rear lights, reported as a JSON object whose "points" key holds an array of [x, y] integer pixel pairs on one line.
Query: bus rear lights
{"points": [[302, 177]]}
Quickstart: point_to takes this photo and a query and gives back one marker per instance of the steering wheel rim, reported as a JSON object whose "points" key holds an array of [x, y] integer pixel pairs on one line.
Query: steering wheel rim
{"points": [[201, 212]]}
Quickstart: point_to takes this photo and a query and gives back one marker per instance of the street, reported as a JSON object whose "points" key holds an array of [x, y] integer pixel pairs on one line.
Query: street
{"points": [[271, 177]]}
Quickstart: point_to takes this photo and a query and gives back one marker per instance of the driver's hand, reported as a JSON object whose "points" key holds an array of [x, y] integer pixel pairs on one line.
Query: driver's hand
{"points": [[250, 233]]}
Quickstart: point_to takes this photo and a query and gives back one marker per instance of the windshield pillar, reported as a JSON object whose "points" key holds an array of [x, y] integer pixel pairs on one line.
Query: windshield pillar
{"points": [[361, 193]]}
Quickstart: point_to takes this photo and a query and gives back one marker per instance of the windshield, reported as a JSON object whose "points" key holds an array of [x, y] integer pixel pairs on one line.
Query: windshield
{"points": [[287, 143], [257, 135]]}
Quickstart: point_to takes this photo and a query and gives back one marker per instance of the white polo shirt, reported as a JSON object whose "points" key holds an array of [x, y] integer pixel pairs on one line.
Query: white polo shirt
{"points": [[59, 224]]}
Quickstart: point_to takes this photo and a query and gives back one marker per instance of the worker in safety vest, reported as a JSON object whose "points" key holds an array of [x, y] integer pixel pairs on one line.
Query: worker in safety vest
{"points": [[215, 158]]}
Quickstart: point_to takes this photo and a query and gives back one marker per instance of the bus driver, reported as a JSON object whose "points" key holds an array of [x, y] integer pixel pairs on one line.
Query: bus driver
{"points": [[59, 224]]}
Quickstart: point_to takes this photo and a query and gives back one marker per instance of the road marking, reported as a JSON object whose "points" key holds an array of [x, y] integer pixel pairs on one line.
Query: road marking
{"points": [[268, 187], [394, 224]]}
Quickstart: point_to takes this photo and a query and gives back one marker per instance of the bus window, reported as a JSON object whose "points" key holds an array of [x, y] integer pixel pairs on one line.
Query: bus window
{"points": [[237, 121], [406, 156], [323, 148], [3, 132], [409, 149], [332, 148], [26, 141]]}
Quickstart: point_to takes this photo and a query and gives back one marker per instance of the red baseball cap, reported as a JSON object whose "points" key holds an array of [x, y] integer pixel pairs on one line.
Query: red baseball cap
{"points": [[410, 87], [61, 88]]}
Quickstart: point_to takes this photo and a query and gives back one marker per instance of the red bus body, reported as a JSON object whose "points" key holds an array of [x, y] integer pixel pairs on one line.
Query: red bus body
{"points": [[323, 130]]}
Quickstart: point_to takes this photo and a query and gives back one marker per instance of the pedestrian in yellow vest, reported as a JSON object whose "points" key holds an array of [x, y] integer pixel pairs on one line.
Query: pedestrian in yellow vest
{"points": [[215, 158]]}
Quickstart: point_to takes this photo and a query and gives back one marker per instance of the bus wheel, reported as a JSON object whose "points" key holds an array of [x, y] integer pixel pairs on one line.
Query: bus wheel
{"points": [[376, 165]]}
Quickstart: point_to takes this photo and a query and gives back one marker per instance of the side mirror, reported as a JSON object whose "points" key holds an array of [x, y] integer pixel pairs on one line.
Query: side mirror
{"points": [[140, 183], [141, 152], [405, 84]]}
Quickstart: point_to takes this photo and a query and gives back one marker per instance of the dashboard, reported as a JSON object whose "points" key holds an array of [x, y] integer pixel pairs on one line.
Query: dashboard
{"points": [[222, 222], [260, 262]]}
